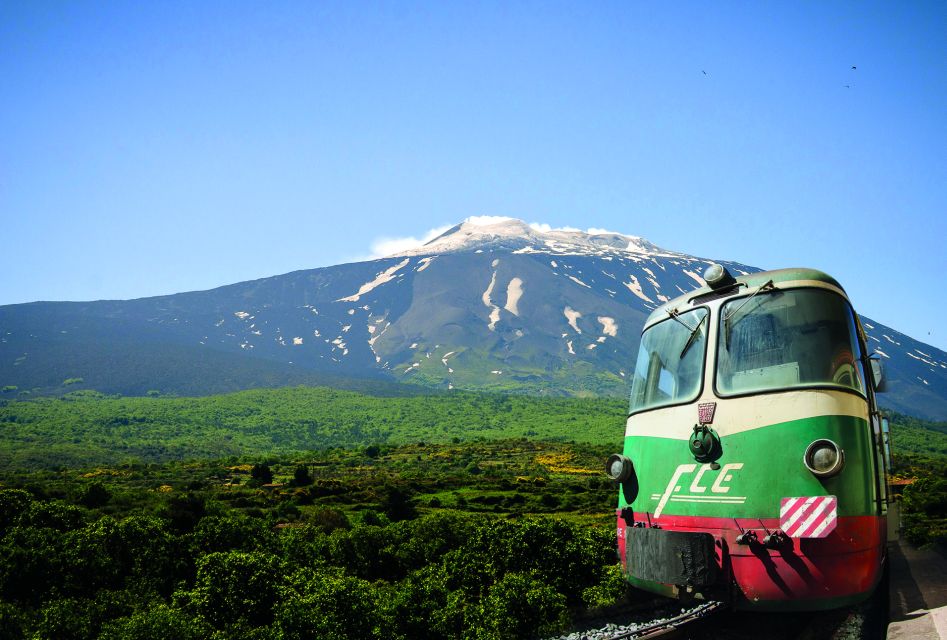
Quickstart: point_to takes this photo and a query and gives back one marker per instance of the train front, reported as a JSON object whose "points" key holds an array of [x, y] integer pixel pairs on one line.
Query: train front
{"points": [[750, 472]]}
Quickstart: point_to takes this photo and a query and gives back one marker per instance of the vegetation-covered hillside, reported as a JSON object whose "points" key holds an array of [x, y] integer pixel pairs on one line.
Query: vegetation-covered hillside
{"points": [[86, 428]]}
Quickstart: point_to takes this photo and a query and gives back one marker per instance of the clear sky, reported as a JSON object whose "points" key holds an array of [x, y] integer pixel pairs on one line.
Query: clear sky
{"points": [[150, 148]]}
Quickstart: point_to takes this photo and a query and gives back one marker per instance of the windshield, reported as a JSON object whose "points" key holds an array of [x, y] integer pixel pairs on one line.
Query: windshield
{"points": [[781, 339], [670, 361]]}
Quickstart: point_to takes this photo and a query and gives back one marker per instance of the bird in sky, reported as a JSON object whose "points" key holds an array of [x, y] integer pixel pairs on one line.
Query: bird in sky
{"points": [[703, 72], [854, 67]]}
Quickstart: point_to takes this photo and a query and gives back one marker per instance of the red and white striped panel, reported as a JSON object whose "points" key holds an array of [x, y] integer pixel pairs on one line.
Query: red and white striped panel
{"points": [[812, 517]]}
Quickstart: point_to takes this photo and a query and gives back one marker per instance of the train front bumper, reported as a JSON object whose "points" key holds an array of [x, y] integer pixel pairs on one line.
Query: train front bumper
{"points": [[701, 557]]}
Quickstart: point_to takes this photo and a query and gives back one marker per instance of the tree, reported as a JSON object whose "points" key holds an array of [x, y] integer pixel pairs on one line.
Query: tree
{"points": [[397, 503], [13, 502], [184, 511], [147, 554], [520, 606], [372, 451], [236, 586], [94, 494], [261, 474], [231, 533], [54, 514], [301, 477], [11, 622], [158, 623], [329, 607], [29, 564]]}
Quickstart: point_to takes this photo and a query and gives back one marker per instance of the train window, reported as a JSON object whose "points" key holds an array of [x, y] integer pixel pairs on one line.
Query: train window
{"points": [[670, 361], [782, 339]]}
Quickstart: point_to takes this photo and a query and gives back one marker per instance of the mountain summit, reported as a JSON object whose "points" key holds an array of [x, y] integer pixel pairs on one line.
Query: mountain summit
{"points": [[500, 233], [490, 304]]}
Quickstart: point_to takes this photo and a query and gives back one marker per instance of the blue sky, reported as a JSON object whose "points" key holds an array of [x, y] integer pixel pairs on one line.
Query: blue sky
{"points": [[163, 147]]}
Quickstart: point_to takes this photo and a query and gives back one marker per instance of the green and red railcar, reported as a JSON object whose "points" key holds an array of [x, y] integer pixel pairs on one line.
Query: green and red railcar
{"points": [[755, 459]]}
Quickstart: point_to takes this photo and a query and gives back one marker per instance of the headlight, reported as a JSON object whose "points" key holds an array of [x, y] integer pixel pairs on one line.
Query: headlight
{"points": [[824, 458], [618, 467]]}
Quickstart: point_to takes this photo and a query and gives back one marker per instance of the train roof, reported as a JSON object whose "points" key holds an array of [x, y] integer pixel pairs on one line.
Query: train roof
{"points": [[750, 281]]}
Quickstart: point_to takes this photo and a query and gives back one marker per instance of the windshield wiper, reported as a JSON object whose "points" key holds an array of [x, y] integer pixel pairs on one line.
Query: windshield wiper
{"points": [[693, 338], [676, 316], [728, 320]]}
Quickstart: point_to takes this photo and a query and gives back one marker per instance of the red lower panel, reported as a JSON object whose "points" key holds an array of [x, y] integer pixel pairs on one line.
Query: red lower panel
{"points": [[841, 567]]}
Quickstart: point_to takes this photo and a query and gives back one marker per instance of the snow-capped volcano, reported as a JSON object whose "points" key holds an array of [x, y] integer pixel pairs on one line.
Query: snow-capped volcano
{"points": [[481, 232], [489, 304]]}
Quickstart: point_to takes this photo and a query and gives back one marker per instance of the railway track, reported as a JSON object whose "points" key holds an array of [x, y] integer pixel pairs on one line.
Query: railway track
{"points": [[666, 626], [658, 619], [669, 628]]}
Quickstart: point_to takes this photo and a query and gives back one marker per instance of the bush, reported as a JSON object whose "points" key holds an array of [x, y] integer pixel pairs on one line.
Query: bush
{"points": [[609, 591], [301, 476], [11, 622], [13, 502], [924, 503], [329, 607], [260, 474], [93, 495], [236, 586], [230, 533], [158, 623], [520, 606]]}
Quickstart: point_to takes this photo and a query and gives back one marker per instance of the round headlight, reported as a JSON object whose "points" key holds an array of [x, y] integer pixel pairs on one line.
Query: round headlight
{"points": [[717, 276], [824, 458], [618, 467]]}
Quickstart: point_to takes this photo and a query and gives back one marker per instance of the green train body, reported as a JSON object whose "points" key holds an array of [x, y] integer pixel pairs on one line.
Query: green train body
{"points": [[754, 461]]}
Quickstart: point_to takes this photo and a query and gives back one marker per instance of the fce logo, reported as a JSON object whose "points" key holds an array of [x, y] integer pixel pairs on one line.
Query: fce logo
{"points": [[699, 486]]}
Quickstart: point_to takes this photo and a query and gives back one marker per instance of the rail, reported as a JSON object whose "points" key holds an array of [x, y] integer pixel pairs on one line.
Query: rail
{"points": [[668, 627]]}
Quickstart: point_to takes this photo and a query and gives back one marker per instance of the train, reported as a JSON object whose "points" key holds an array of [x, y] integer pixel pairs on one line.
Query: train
{"points": [[755, 462]]}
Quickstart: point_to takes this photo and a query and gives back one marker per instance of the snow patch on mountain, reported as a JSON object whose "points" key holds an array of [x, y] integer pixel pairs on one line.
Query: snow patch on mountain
{"points": [[385, 276], [924, 360], [635, 287], [609, 326], [572, 315], [371, 341], [514, 291], [700, 281], [488, 302]]}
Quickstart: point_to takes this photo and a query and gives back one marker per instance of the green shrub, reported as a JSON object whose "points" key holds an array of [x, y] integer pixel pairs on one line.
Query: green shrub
{"points": [[160, 622], [519, 606], [330, 607], [236, 586]]}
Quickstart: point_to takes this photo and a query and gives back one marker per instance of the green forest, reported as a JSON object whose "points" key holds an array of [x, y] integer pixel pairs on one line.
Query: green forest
{"points": [[86, 428], [308, 512], [500, 539]]}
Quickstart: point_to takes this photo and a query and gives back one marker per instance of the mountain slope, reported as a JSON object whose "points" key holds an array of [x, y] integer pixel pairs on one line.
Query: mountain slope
{"points": [[491, 304]]}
